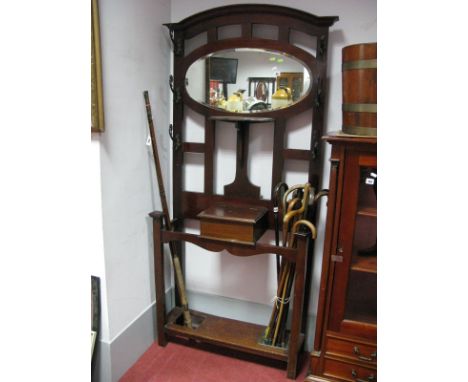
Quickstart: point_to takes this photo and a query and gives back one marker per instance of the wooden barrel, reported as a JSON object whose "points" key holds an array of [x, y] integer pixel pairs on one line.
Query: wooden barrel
{"points": [[360, 89]]}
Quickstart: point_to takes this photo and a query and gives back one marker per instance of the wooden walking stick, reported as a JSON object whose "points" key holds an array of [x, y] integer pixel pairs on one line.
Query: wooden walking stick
{"points": [[294, 216], [280, 332], [179, 279], [278, 193], [290, 212], [267, 337], [294, 209]]}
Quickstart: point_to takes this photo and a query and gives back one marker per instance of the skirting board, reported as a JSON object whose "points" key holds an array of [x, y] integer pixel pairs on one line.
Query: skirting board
{"points": [[116, 357]]}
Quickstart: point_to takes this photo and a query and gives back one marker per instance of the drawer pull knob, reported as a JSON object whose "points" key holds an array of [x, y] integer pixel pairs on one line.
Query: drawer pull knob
{"points": [[370, 378], [363, 357]]}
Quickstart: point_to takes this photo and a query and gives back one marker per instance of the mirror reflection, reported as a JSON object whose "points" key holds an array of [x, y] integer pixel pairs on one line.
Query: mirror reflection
{"points": [[247, 80]]}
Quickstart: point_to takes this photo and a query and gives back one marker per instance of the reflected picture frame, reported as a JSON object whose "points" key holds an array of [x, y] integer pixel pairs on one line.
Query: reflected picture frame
{"points": [[97, 103]]}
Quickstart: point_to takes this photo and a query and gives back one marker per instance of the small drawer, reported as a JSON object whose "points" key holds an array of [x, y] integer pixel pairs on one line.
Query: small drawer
{"points": [[348, 372], [233, 223], [352, 350]]}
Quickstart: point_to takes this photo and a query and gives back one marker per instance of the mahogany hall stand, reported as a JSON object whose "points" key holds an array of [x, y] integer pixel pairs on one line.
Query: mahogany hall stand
{"points": [[228, 333]]}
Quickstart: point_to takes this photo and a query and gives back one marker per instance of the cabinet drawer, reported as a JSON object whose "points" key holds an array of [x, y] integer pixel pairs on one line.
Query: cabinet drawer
{"points": [[352, 350], [348, 372]]}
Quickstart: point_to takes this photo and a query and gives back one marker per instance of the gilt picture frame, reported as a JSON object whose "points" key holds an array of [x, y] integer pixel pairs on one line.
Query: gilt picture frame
{"points": [[97, 105]]}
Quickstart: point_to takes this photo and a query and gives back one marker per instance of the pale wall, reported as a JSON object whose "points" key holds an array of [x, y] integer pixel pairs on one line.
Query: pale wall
{"points": [[135, 57]]}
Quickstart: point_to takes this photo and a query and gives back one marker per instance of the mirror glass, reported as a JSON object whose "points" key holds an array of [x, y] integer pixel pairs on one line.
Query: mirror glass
{"points": [[247, 80]]}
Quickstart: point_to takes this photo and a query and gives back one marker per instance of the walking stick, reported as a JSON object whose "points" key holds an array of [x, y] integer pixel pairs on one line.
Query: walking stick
{"points": [[294, 209], [280, 332], [278, 193], [179, 279], [295, 216], [274, 314], [282, 267], [290, 212]]}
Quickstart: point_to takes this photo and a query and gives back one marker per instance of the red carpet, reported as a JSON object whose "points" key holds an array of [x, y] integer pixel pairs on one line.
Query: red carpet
{"points": [[177, 363]]}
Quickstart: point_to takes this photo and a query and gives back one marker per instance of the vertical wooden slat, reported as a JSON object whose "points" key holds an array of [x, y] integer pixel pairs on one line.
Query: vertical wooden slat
{"points": [[316, 144], [209, 155], [319, 90], [242, 186], [177, 153], [278, 158], [178, 117]]}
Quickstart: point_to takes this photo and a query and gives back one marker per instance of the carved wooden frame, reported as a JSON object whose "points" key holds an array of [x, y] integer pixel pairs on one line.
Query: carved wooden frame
{"points": [[189, 204]]}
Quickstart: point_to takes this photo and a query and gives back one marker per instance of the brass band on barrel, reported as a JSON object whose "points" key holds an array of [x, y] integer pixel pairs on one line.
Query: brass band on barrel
{"points": [[359, 130], [360, 64], [360, 107]]}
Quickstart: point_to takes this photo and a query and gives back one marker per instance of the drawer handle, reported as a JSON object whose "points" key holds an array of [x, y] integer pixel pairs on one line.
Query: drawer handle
{"points": [[363, 357], [370, 378]]}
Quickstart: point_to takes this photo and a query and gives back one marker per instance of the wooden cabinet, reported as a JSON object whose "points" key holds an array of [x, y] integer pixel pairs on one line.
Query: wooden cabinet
{"points": [[345, 346]]}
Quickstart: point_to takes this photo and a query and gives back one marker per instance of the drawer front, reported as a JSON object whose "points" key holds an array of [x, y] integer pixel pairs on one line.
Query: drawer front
{"points": [[352, 350], [221, 230], [348, 372]]}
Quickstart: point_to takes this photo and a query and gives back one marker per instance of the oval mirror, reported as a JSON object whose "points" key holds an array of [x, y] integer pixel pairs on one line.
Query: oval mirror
{"points": [[247, 80]]}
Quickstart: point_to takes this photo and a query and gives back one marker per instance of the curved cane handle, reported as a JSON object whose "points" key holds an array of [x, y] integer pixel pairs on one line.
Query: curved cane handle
{"points": [[292, 189], [290, 214], [308, 224], [277, 192], [319, 194], [295, 229]]}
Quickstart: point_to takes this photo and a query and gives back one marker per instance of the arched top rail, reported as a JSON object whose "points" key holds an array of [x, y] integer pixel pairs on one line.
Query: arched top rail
{"points": [[242, 12]]}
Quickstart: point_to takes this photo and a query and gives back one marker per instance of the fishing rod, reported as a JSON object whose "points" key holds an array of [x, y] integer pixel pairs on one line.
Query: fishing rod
{"points": [[179, 279]]}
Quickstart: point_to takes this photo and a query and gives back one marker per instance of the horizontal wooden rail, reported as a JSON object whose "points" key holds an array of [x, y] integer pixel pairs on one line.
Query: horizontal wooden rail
{"points": [[193, 147], [296, 154], [233, 248]]}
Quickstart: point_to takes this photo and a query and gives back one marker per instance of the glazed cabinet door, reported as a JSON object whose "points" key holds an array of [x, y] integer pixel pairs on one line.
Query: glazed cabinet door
{"points": [[353, 308]]}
